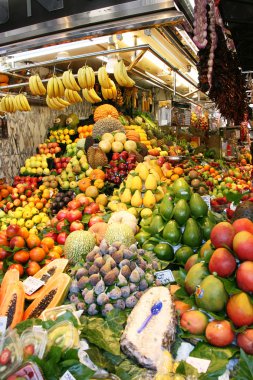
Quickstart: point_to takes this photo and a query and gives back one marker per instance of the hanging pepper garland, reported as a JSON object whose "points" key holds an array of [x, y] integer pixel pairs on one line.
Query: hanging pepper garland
{"points": [[218, 66]]}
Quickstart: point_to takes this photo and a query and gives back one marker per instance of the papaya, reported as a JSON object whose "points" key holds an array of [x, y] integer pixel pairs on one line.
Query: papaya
{"points": [[194, 277], [181, 212], [10, 277], [192, 235], [211, 294], [172, 232], [53, 294], [166, 207], [46, 274], [198, 206], [13, 304], [206, 226]]}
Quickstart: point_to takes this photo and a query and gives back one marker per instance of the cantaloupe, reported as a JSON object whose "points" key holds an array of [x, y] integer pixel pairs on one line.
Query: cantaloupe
{"points": [[78, 244]]}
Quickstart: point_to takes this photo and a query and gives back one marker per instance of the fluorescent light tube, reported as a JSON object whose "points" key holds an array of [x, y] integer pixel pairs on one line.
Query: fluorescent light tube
{"points": [[27, 55]]}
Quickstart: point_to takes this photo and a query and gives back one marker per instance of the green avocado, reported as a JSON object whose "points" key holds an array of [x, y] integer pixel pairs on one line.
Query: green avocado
{"points": [[172, 232], [166, 207], [192, 235], [181, 212], [198, 206]]}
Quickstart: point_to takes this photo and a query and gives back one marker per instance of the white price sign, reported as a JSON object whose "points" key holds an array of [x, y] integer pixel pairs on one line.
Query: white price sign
{"points": [[67, 376], [3, 324], [165, 276], [200, 364], [31, 284], [207, 199]]}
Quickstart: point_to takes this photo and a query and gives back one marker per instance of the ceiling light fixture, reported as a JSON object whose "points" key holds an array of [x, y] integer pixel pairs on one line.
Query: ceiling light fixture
{"points": [[188, 41], [28, 55]]}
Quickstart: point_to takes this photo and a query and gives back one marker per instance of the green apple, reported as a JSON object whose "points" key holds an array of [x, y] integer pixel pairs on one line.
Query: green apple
{"points": [[46, 171], [73, 184], [22, 170], [65, 185]]}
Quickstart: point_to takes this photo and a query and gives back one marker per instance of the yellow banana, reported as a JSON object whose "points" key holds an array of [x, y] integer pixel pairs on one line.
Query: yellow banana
{"points": [[61, 88], [123, 72], [81, 78], [56, 87], [49, 103], [68, 96], [40, 85], [105, 93], [13, 104], [33, 85], [103, 78], [94, 95], [77, 97], [117, 75], [50, 87], [90, 77], [63, 102], [18, 103], [87, 96], [69, 81], [24, 102], [54, 102], [6, 103]]}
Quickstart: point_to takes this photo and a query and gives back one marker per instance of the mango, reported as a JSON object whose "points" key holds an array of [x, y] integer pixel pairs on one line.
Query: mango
{"points": [[211, 294]]}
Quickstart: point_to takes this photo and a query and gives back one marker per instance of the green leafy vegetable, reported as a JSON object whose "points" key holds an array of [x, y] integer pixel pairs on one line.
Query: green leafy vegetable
{"points": [[245, 367], [127, 370]]}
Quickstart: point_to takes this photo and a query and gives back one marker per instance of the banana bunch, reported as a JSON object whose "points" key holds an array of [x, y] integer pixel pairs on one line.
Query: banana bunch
{"points": [[36, 85], [103, 78], [86, 77], [12, 104], [110, 93], [91, 96], [69, 81], [56, 103], [72, 96], [121, 76], [55, 87]]}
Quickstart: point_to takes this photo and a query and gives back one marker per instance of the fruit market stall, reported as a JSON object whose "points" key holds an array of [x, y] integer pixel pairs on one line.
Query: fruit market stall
{"points": [[125, 251]]}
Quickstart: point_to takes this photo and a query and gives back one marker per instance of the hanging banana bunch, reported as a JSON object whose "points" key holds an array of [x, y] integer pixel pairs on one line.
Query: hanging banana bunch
{"points": [[57, 103], [121, 75], [69, 81], [86, 77], [103, 78], [110, 93], [55, 87], [91, 96], [72, 96], [36, 86], [12, 104]]}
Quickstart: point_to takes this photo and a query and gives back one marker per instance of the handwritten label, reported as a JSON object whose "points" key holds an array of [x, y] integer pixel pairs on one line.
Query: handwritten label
{"points": [[3, 324], [207, 199], [67, 376], [165, 276], [200, 364], [31, 284]]}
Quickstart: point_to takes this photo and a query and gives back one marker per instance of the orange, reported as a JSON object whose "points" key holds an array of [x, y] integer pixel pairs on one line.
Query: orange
{"points": [[48, 241], [39, 205], [178, 170], [174, 177], [37, 254]]}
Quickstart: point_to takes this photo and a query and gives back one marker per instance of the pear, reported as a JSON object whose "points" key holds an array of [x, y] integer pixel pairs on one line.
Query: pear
{"points": [[151, 182], [143, 171], [136, 200], [136, 183], [126, 196], [149, 199], [128, 181]]}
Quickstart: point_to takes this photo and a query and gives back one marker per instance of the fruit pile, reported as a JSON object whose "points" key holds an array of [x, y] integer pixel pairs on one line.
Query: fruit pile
{"points": [[25, 251], [61, 200], [119, 166], [84, 131], [49, 148], [222, 283], [36, 165], [179, 225], [61, 163]]}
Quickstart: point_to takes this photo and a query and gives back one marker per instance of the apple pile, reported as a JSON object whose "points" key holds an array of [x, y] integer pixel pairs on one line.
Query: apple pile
{"points": [[72, 217], [52, 147], [119, 166], [25, 251], [61, 163], [31, 182]]}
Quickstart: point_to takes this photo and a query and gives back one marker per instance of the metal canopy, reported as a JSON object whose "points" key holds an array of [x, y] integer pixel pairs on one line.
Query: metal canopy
{"points": [[238, 18]]}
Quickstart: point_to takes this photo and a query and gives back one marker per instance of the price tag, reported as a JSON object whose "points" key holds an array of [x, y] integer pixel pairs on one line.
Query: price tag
{"points": [[3, 324], [200, 364], [207, 199], [67, 376], [232, 206], [165, 276], [31, 284]]}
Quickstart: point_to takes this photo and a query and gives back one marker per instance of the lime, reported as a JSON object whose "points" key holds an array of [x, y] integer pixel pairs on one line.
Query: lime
{"points": [[148, 247], [164, 251], [183, 253], [142, 236]]}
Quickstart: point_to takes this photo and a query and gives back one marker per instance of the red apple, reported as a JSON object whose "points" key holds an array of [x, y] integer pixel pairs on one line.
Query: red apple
{"points": [[77, 225], [83, 200], [62, 214], [13, 230], [61, 238], [115, 156], [74, 215], [60, 225], [93, 208], [73, 205]]}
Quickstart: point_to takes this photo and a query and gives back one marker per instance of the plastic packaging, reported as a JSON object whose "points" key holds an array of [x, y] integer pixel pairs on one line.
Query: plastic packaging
{"points": [[29, 371], [55, 312], [34, 341], [11, 353], [63, 335]]}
